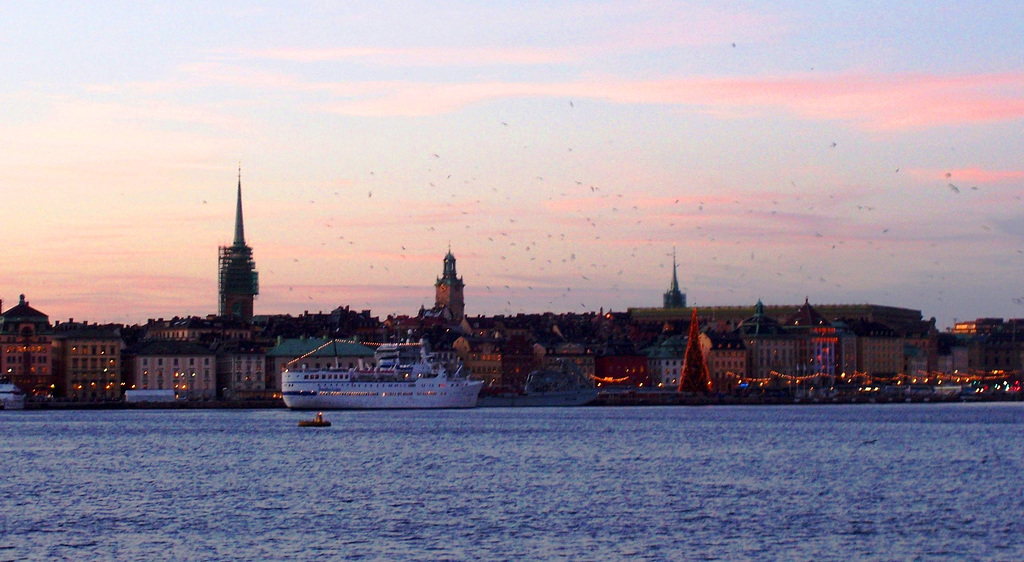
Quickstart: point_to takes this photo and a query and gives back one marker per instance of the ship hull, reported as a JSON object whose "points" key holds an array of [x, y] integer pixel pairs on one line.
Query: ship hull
{"points": [[381, 395], [581, 397]]}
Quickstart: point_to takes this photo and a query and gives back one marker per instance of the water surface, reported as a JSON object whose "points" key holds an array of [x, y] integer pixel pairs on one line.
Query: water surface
{"points": [[892, 481]]}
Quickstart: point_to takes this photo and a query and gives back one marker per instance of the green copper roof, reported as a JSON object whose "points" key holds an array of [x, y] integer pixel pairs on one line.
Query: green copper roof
{"points": [[318, 347]]}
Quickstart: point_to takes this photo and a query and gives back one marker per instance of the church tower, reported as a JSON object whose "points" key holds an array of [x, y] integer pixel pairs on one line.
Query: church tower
{"points": [[674, 298], [448, 290], [238, 280]]}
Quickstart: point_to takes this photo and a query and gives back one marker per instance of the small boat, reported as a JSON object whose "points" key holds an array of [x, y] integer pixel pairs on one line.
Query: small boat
{"points": [[318, 421]]}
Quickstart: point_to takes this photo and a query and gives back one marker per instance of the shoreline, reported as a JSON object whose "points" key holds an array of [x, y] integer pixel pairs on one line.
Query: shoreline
{"points": [[616, 399]]}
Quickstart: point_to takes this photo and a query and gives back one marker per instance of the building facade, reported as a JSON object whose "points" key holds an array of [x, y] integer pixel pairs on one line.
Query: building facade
{"points": [[87, 364], [241, 371], [185, 367], [25, 355]]}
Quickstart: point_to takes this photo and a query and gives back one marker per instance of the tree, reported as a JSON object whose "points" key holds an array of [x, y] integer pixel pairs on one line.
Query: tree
{"points": [[694, 377]]}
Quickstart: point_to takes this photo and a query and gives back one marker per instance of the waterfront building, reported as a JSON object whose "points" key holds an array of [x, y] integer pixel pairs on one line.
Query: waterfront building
{"points": [[87, 362], [674, 298], [241, 371], [771, 349], [665, 361], [449, 292], [880, 350], [618, 364], [185, 367], [481, 356], [726, 358], [817, 358], [25, 356], [578, 354], [518, 360], [238, 280], [951, 352]]}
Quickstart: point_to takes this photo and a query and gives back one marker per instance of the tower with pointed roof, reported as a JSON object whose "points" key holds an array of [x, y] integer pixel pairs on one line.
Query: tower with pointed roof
{"points": [[448, 290], [238, 281], [674, 298]]}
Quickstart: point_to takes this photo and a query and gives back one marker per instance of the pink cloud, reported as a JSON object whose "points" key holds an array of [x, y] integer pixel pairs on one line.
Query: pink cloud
{"points": [[972, 175], [421, 56], [870, 102]]}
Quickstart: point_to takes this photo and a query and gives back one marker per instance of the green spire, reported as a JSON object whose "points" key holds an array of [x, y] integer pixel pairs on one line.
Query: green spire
{"points": [[239, 229]]}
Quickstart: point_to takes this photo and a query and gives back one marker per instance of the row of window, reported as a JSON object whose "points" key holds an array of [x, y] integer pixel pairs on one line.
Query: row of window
{"points": [[24, 348], [94, 350], [18, 359], [174, 361]]}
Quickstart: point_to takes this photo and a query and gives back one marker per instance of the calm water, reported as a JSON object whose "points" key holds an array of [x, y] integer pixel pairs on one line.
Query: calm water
{"points": [[789, 482]]}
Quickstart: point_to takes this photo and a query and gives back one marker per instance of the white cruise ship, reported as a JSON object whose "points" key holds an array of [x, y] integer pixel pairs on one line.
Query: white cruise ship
{"points": [[406, 376], [11, 397]]}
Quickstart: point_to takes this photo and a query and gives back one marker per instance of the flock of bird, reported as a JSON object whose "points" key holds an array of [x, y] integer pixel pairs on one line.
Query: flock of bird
{"points": [[549, 239]]}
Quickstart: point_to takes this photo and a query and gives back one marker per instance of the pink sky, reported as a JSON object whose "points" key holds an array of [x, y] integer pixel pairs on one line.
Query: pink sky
{"points": [[810, 151]]}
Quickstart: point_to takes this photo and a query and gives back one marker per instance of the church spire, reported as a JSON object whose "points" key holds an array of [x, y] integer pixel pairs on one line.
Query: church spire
{"points": [[675, 279], [674, 298], [239, 229]]}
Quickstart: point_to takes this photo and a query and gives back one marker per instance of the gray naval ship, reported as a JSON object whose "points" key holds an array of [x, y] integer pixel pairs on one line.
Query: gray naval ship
{"points": [[564, 385]]}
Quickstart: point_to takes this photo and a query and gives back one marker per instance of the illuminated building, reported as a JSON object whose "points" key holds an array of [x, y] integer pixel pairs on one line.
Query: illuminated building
{"points": [[726, 357], [482, 357], [817, 343], [185, 367], [770, 348], [665, 361], [26, 355], [238, 280], [87, 363], [241, 371]]}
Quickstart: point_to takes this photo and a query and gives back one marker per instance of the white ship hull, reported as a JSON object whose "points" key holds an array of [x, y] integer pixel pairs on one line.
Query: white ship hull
{"points": [[344, 395], [11, 398]]}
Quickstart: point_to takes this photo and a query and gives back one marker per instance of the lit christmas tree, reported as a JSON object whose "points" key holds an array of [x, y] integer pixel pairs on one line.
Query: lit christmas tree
{"points": [[694, 377]]}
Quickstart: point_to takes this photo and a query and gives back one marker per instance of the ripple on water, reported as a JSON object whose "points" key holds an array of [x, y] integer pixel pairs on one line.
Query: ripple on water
{"points": [[836, 482]]}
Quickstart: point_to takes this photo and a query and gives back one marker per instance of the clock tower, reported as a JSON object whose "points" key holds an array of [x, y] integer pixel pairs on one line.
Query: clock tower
{"points": [[449, 290]]}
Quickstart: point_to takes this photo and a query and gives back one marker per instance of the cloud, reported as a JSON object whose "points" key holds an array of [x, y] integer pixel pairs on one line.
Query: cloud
{"points": [[419, 56], [869, 102]]}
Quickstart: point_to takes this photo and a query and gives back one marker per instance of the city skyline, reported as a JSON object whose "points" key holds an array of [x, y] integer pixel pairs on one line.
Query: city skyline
{"points": [[840, 153]]}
